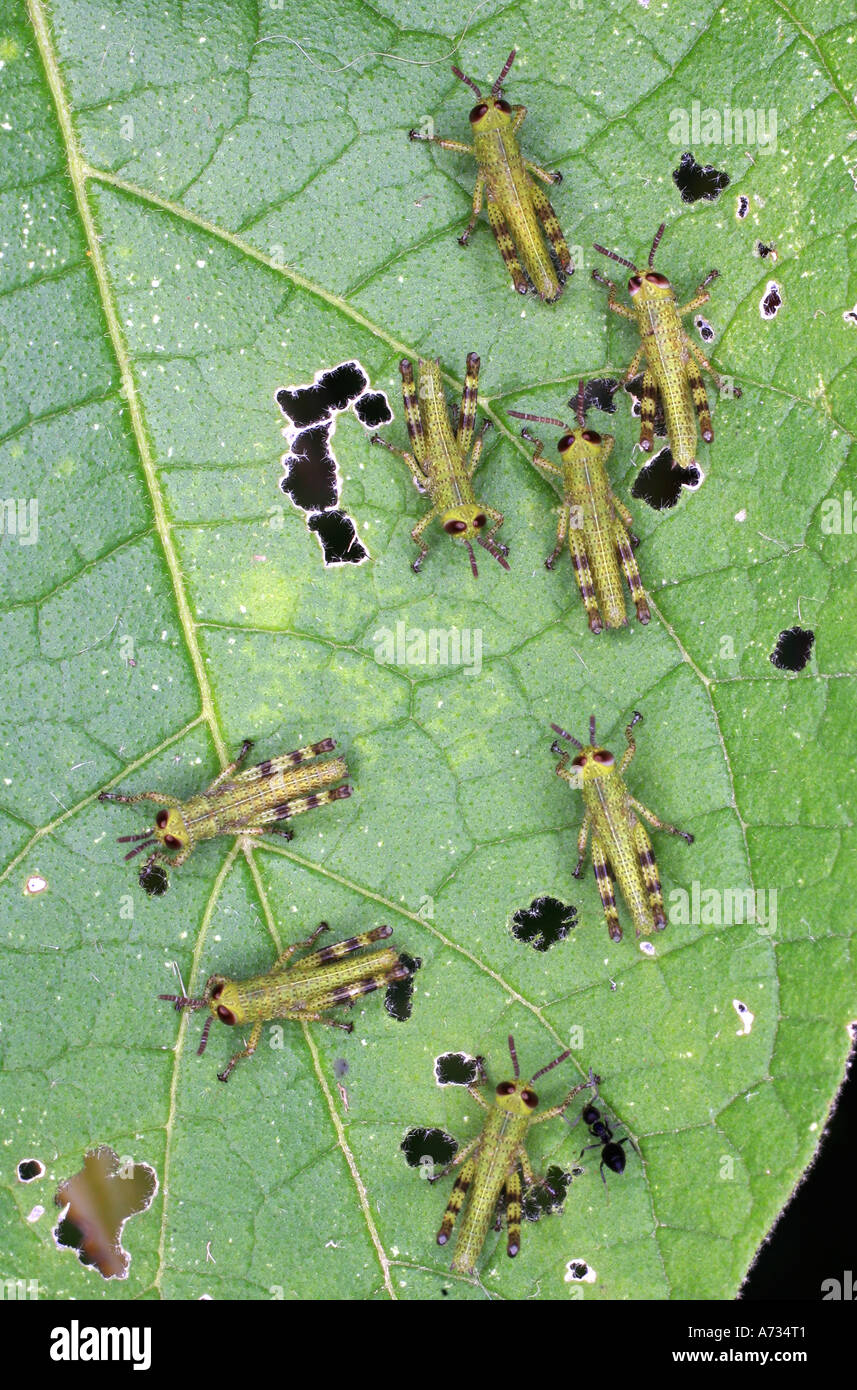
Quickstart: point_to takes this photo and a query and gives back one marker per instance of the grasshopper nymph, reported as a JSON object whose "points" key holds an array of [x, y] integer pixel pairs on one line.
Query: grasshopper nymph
{"points": [[439, 462], [493, 1162], [672, 360], [620, 845], [253, 802], [594, 520], [518, 211], [305, 991]]}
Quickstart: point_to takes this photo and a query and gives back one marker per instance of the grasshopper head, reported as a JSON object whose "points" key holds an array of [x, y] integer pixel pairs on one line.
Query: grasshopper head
{"points": [[491, 112], [170, 830], [592, 763], [517, 1097], [582, 443], [221, 995], [466, 523], [650, 285]]}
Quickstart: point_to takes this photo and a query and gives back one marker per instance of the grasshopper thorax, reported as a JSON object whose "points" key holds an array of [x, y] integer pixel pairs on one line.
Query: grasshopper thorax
{"points": [[592, 763], [170, 830], [516, 1097]]}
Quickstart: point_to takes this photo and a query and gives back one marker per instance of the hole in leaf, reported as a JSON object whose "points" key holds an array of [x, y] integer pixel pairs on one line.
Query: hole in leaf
{"points": [[704, 329], [598, 394], [338, 537], [456, 1069], [153, 879], [434, 1144], [695, 181], [310, 469], [793, 649], [771, 301], [545, 922], [97, 1202], [398, 999], [373, 410], [29, 1169], [547, 1198], [576, 1270], [331, 391], [764, 252], [743, 206], [635, 389], [659, 484]]}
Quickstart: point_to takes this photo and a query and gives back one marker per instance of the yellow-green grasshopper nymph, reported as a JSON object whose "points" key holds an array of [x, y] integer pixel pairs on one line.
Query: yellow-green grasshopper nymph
{"points": [[327, 979], [671, 359], [439, 461], [255, 802], [491, 1165], [620, 846], [594, 520], [520, 214]]}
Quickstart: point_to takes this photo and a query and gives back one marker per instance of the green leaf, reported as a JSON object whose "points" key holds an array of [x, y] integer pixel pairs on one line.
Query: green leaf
{"points": [[200, 211]]}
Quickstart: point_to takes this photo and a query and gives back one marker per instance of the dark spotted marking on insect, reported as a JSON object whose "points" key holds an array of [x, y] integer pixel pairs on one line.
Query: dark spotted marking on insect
{"points": [[697, 181], [436, 1144], [338, 538], [545, 922], [793, 649], [457, 1069], [399, 998], [659, 484], [771, 301]]}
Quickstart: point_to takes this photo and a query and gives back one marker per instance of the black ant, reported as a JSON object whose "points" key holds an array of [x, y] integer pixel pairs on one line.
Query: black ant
{"points": [[612, 1153]]}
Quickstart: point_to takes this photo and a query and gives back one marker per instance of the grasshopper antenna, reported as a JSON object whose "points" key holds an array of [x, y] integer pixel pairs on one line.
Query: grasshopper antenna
{"points": [[580, 409], [540, 419], [655, 243], [492, 550], [498, 85], [555, 1063], [204, 1039], [137, 848], [513, 1054], [613, 256], [592, 730], [462, 77], [569, 737]]}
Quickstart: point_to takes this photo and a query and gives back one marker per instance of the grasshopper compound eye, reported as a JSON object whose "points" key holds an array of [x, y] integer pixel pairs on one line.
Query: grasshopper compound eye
{"points": [[530, 1099], [478, 112], [454, 528], [503, 105]]}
